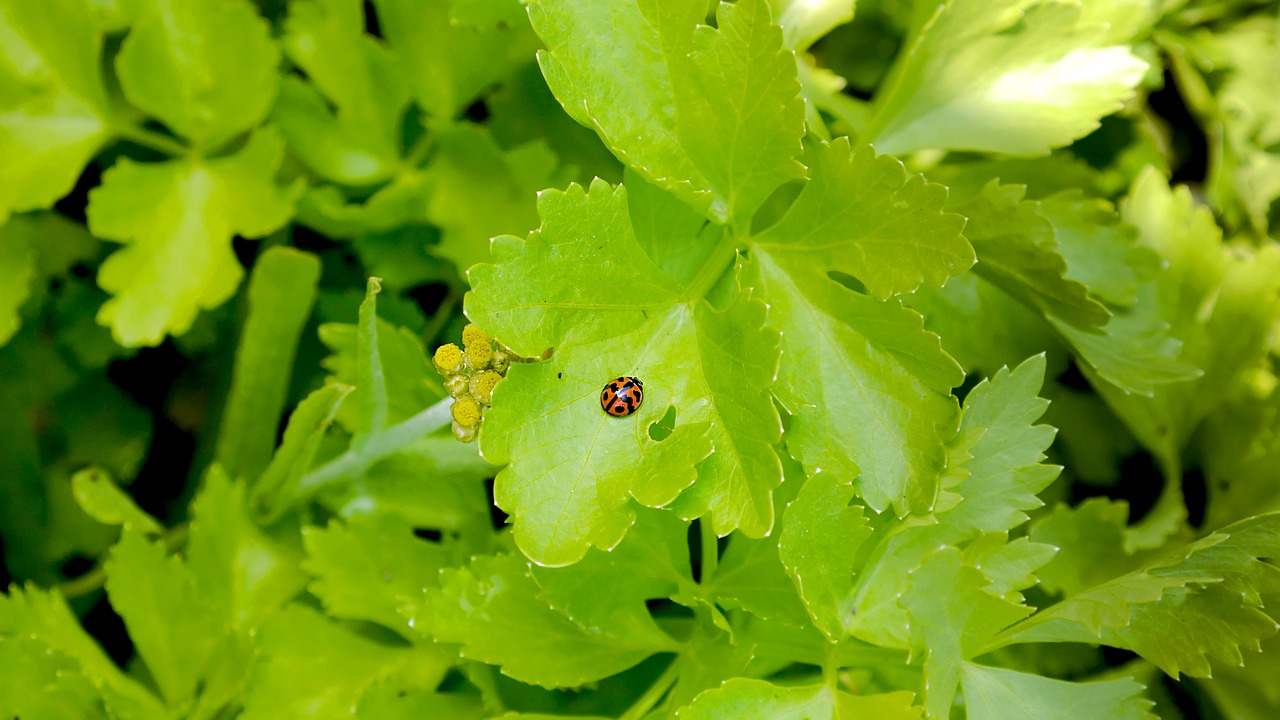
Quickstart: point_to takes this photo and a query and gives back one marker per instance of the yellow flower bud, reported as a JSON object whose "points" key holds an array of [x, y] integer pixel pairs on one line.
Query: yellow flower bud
{"points": [[482, 385], [456, 385], [479, 356], [465, 411], [501, 362], [472, 335], [464, 434], [448, 359]]}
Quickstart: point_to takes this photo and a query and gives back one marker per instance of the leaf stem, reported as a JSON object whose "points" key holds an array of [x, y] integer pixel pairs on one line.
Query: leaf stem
{"points": [[710, 551], [356, 461], [420, 150], [154, 140], [656, 691], [723, 254]]}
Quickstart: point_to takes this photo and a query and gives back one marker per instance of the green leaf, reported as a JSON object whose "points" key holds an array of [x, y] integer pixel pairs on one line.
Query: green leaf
{"points": [[706, 660], [1221, 304], [448, 63], [1093, 543], [751, 575], [177, 219], [608, 311], [484, 14], [821, 534], [53, 107], [1188, 604], [354, 137], [677, 239], [401, 203], [435, 482], [205, 68], [241, 570], [995, 474], [281, 291], [311, 667], [738, 111], [39, 684], [44, 618], [804, 21], [606, 592], [1101, 253], [17, 274], [410, 381], [951, 616], [862, 214], [1005, 471], [999, 694], [718, 120], [369, 568], [756, 699], [1017, 251], [171, 623], [1010, 76], [386, 702], [760, 700], [868, 389], [467, 158], [302, 438], [494, 610], [370, 374], [104, 501]]}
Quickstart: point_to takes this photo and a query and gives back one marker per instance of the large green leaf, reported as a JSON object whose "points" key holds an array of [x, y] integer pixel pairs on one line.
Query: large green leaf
{"points": [[177, 220], [1011, 76], [999, 694], [864, 215], [354, 137], [619, 315], [493, 609], [53, 107], [173, 626], [205, 68], [1195, 602], [715, 117]]}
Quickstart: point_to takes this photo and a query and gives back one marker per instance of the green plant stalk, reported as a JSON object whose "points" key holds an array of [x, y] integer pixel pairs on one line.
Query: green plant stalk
{"points": [[654, 694], [356, 461], [152, 140]]}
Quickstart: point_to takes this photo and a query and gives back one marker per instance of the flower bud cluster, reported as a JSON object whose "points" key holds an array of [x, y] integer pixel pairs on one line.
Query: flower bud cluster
{"points": [[470, 374]]}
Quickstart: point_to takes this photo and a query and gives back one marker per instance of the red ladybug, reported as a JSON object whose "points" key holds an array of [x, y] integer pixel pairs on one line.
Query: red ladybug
{"points": [[622, 396]]}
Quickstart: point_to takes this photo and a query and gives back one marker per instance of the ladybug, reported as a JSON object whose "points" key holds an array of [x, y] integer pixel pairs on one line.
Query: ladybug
{"points": [[622, 396]]}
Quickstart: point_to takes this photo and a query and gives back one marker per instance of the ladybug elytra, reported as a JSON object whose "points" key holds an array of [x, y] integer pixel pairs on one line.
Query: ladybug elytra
{"points": [[622, 396]]}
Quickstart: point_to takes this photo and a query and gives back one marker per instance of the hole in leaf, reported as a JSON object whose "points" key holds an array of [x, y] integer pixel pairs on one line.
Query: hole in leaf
{"points": [[848, 281], [664, 426], [477, 111], [371, 24], [428, 534]]}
